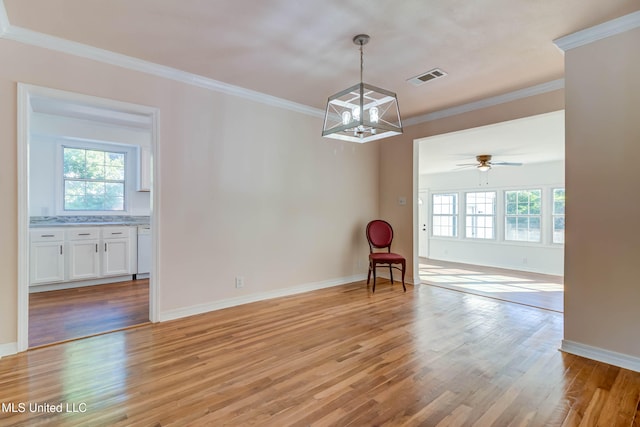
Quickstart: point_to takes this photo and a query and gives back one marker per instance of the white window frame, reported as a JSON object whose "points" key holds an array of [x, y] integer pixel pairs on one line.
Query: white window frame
{"points": [[528, 216], [555, 216], [130, 173], [475, 216], [454, 215]]}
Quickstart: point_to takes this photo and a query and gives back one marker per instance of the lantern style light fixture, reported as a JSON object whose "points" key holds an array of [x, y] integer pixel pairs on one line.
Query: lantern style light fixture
{"points": [[363, 112]]}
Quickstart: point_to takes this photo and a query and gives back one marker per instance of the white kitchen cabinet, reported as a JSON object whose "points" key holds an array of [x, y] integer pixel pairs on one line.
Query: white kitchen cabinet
{"points": [[144, 169], [83, 253], [116, 258], [47, 256], [77, 254]]}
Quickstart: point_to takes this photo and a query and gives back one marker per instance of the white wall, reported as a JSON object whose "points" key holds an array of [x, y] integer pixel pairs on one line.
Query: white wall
{"points": [[45, 190], [244, 188], [544, 257], [602, 294]]}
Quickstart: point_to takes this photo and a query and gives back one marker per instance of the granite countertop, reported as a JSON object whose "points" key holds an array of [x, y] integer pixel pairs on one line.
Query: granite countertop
{"points": [[86, 221]]}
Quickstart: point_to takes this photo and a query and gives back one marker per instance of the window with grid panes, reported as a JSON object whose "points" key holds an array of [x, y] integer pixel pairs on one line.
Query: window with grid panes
{"points": [[444, 215], [94, 180], [523, 215], [480, 212]]}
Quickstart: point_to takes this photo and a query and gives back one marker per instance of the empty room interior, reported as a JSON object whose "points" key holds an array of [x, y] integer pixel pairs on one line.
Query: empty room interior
{"points": [[319, 213]]}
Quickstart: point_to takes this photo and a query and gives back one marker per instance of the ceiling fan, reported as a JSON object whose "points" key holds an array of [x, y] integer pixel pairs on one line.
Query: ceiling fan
{"points": [[484, 163]]}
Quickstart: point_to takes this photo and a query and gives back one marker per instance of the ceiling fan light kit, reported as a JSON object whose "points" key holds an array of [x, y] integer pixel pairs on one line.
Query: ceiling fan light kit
{"points": [[362, 113]]}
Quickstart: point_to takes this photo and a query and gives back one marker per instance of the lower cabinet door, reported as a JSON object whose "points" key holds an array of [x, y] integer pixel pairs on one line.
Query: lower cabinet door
{"points": [[84, 260], [46, 263], [115, 258]]}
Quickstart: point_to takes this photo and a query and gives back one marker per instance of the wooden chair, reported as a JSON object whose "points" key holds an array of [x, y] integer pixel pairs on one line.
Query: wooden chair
{"points": [[380, 235]]}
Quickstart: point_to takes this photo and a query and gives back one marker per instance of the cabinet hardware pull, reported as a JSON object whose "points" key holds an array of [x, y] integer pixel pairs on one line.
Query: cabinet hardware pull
{"points": [[47, 235], [84, 234], [96, 248], [105, 247], [60, 249], [119, 232]]}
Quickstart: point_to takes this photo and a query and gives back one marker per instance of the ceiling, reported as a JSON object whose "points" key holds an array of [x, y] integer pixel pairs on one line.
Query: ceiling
{"points": [[529, 140], [302, 51]]}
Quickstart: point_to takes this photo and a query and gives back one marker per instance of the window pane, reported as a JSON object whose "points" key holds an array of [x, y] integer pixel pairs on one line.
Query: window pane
{"points": [[95, 164], [534, 229], [74, 163], [74, 202], [510, 232], [114, 196], [74, 188], [534, 207], [93, 179], [558, 201], [114, 173], [558, 229]]}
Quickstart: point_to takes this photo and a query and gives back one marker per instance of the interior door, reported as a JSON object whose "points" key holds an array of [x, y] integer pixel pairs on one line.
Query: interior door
{"points": [[423, 230]]}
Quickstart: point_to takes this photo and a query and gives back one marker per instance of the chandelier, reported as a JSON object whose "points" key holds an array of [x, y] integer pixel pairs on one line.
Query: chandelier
{"points": [[362, 113]]}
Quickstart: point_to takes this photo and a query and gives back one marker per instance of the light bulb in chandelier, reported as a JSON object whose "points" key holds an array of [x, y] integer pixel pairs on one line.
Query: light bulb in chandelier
{"points": [[346, 117], [356, 113], [373, 115]]}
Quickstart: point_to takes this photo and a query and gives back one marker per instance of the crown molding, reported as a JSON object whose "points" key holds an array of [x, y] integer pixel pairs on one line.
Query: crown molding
{"points": [[599, 32], [4, 19], [34, 38], [487, 102], [46, 41]]}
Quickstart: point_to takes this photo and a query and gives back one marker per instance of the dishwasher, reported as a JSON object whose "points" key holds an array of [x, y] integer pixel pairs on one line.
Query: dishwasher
{"points": [[144, 251]]}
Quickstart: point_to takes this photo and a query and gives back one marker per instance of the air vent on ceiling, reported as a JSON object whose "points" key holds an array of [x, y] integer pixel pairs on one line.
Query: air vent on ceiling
{"points": [[423, 78]]}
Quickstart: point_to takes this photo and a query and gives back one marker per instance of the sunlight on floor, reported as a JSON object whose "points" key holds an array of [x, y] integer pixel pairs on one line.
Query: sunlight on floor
{"points": [[521, 287]]}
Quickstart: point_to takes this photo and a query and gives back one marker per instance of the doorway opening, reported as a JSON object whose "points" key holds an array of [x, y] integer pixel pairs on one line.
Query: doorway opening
{"points": [[495, 226], [85, 187]]}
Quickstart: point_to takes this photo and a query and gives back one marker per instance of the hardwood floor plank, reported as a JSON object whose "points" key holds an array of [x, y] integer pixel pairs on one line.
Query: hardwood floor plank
{"points": [[66, 314], [337, 356]]}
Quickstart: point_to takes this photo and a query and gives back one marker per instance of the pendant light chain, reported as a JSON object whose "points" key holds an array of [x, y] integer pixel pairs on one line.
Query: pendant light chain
{"points": [[361, 61]]}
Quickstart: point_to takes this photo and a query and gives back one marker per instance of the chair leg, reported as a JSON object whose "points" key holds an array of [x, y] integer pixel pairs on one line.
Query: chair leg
{"points": [[374, 278], [369, 273], [403, 286], [391, 273]]}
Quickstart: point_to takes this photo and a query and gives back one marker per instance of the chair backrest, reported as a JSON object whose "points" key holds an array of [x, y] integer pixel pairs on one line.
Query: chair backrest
{"points": [[379, 234]]}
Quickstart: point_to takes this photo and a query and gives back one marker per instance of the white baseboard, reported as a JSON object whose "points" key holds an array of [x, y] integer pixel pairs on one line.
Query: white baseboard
{"points": [[601, 355], [79, 284], [246, 299], [8, 349]]}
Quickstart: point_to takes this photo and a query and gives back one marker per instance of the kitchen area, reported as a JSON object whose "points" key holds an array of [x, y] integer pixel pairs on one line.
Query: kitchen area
{"points": [[90, 245], [75, 251]]}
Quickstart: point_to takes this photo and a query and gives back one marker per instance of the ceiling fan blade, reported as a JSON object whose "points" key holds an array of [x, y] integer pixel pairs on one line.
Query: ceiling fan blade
{"points": [[467, 164], [506, 164]]}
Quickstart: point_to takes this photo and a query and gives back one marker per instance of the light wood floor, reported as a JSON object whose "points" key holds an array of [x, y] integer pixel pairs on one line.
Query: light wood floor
{"points": [[66, 314], [334, 357], [533, 289]]}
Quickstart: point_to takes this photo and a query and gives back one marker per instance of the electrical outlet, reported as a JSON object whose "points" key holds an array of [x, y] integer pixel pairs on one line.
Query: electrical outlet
{"points": [[525, 261], [239, 282]]}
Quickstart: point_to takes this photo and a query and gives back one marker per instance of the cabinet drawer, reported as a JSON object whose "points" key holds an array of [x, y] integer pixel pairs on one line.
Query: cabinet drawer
{"points": [[83, 233], [46, 235], [115, 232]]}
